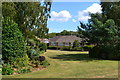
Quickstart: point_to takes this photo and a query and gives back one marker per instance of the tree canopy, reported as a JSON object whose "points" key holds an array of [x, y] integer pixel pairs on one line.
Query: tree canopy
{"points": [[31, 17], [103, 30]]}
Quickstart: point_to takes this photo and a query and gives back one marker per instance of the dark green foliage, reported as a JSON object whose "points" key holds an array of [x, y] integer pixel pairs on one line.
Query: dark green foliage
{"points": [[41, 52], [77, 49], [95, 52], [87, 47], [23, 71], [105, 52], [13, 45], [68, 48], [100, 33], [44, 63], [27, 15], [32, 54], [111, 10], [8, 9], [26, 21], [43, 46], [76, 44], [103, 35], [53, 47], [7, 69], [31, 42]]}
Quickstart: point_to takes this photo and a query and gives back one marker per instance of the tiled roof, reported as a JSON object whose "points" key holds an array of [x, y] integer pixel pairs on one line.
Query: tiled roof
{"points": [[65, 39]]}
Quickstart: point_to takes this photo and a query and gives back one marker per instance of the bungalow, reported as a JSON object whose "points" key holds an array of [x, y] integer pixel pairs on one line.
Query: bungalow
{"points": [[63, 40], [43, 40]]}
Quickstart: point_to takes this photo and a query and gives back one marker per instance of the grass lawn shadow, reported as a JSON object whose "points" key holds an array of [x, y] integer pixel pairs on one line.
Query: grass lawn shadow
{"points": [[74, 57]]}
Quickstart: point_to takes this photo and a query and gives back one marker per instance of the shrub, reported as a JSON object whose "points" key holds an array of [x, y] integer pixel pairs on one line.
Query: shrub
{"points": [[41, 52], [33, 54], [21, 62], [43, 46], [87, 47], [23, 71], [7, 70], [95, 52], [44, 63], [105, 52], [31, 42], [76, 44], [77, 48], [13, 45], [110, 52], [66, 48]]}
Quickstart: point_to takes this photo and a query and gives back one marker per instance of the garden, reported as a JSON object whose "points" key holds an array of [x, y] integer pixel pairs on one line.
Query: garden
{"points": [[72, 64], [24, 55]]}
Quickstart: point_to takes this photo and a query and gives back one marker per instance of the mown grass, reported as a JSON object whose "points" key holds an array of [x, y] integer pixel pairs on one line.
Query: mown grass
{"points": [[71, 64]]}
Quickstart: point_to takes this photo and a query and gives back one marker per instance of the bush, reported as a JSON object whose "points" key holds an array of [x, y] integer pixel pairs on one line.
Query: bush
{"points": [[87, 47], [41, 52], [13, 45], [21, 62], [43, 46], [105, 52], [95, 52], [66, 48], [110, 52], [44, 63], [76, 43], [23, 71], [7, 70], [77, 49], [33, 54], [31, 42]]}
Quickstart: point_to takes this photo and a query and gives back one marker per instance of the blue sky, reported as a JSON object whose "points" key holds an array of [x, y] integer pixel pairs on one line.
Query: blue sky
{"points": [[66, 15]]}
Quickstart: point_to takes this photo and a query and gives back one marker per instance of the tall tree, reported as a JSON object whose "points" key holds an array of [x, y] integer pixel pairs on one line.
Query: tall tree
{"points": [[31, 17], [112, 11], [100, 33]]}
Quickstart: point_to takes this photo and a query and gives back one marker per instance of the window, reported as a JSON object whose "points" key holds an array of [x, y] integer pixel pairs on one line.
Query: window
{"points": [[60, 44], [66, 44], [52, 43]]}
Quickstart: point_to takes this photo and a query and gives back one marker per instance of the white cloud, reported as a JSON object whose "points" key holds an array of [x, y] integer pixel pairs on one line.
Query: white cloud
{"points": [[73, 20], [62, 16], [84, 15]]}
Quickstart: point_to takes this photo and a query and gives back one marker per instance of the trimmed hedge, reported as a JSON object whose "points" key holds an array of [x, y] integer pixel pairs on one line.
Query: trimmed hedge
{"points": [[66, 48], [53, 47], [77, 48]]}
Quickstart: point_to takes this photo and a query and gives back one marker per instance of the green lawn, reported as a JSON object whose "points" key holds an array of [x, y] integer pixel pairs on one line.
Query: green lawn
{"points": [[69, 64]]}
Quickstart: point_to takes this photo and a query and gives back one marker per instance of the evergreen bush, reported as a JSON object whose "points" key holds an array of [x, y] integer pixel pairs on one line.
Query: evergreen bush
{"points": [[13, 45]]}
